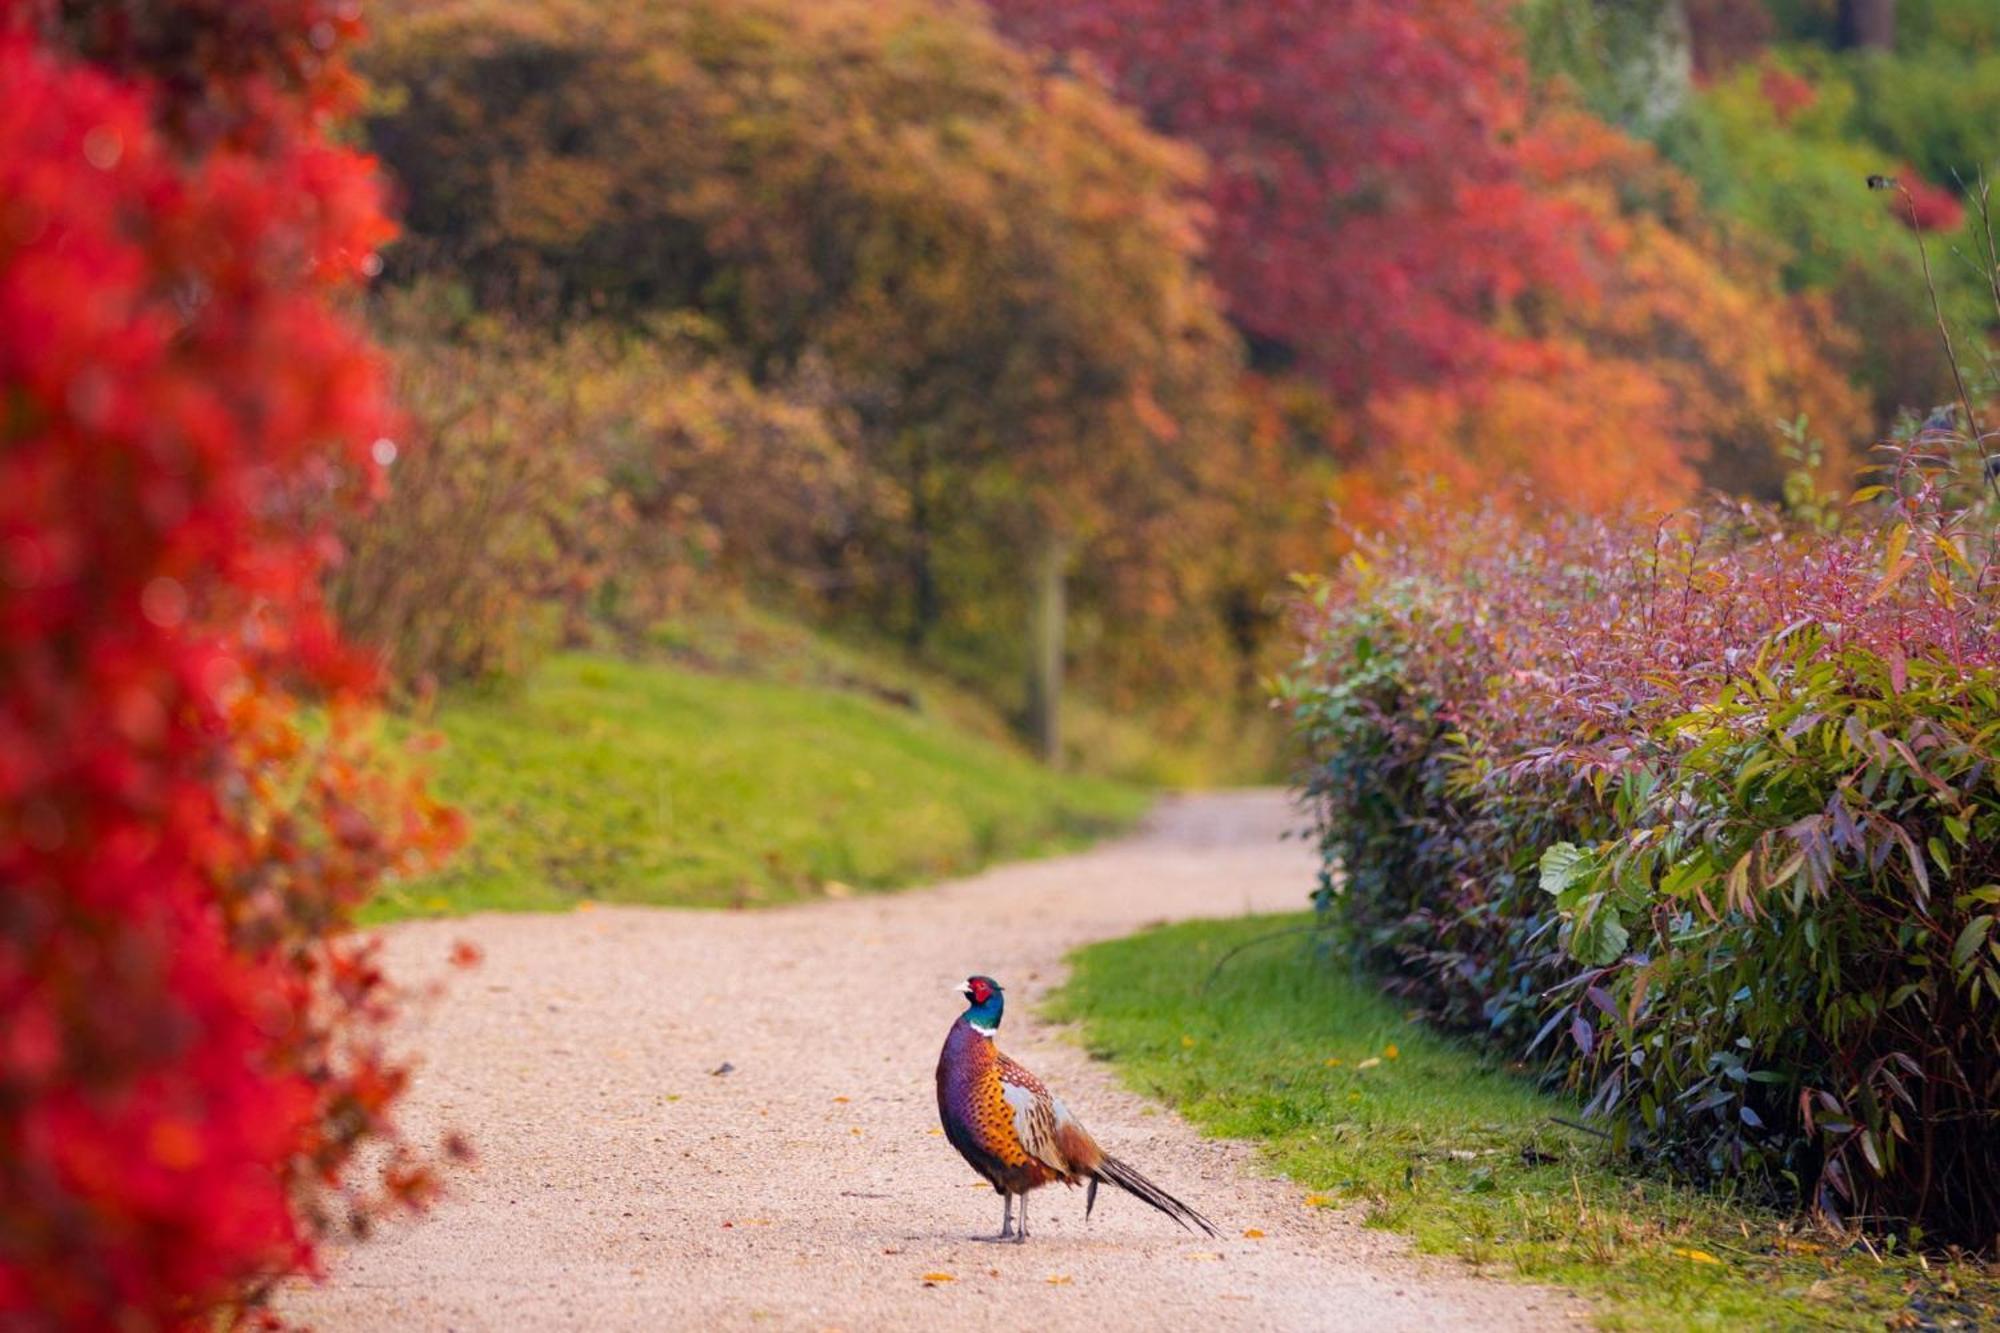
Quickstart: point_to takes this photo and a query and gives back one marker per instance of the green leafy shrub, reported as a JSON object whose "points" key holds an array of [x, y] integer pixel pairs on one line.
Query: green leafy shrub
{"points": [[1701, 816], [1782, 148]]}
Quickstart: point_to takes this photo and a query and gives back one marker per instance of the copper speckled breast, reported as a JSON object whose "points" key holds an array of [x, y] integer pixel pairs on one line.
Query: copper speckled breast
{"points": [[977, 1119], [993, 1119]]}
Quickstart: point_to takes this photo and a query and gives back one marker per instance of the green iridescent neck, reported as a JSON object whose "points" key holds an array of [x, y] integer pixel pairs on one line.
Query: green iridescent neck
{"points": [[986, 1016]]}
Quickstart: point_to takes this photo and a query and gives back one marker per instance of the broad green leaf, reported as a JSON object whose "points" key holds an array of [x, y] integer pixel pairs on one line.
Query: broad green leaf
{"points": [[1564, 866]]}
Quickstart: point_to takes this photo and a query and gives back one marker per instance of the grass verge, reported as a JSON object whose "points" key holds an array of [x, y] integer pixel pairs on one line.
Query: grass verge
{"points": [[1355, 1101], [639, 782]]}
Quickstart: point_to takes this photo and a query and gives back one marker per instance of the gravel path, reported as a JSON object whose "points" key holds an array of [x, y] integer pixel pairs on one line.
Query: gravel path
{"points": [[623, 1185]]}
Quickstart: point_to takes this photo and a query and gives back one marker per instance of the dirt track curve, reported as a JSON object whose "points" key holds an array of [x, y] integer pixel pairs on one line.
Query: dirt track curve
{"points": [[623, 1185]]}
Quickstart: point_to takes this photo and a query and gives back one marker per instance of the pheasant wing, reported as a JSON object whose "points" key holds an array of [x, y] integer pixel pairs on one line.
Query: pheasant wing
{"points": [[1046, 1129]]}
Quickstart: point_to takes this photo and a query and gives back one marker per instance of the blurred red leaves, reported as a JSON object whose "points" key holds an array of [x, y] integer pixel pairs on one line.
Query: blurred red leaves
{"points": [[192, 1048], [1929, 207], [1495, 289]]}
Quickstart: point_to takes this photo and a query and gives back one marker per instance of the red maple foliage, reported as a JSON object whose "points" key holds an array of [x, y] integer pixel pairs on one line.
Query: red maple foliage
{"points": [[1788, 92], [1924, 206], [1495, 290], [1371, 209], [188, 1046]]}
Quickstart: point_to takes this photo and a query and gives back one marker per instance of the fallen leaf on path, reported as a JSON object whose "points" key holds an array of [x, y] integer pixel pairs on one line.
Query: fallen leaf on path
{"points": [[1205, 1256], [932, 1279], [840, 1099], [1319, 1200], [1059, 1279], [1253, 1234]]}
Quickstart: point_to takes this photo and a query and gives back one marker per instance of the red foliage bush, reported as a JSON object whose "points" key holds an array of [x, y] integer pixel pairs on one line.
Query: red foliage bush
{"points": [[190, 1049], [1700, 814], [1923, 206]]}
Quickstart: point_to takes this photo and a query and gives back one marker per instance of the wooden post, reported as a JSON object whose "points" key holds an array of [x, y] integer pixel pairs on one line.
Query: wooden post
{"points": [[1048, 612], [1868, 24]]}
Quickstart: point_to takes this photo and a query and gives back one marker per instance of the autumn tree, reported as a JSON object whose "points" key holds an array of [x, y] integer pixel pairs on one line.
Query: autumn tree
{"points": [[1456, 261], [995, 264], [189, 1044]]}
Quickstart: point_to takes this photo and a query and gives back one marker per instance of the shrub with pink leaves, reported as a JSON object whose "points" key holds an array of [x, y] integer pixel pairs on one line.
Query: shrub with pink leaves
{"points": [[1700, 813]]}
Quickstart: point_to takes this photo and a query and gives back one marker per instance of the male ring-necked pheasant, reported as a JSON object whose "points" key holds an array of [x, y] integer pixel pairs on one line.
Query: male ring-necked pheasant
{"points": [[1015, 1132]]}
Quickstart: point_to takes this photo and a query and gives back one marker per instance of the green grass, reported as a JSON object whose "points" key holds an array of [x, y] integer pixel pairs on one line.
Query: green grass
{"points": [[641, 782], [734, 636], [1353, 1100]]}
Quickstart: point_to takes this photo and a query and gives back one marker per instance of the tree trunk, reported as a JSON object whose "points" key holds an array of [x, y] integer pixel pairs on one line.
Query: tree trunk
{"points": [[923, 576], [1049, 611], [1868, 24], [1658, 72]]}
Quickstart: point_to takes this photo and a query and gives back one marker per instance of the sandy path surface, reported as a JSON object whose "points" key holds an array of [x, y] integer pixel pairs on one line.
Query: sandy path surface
{"points": [[622, 1185]]}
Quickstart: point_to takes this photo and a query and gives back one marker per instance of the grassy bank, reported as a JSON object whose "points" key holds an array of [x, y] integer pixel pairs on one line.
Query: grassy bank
{"points": [[643, 782], [1359, 1104]]}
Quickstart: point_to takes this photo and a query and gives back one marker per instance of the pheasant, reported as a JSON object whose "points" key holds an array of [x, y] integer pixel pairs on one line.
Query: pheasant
{"points": [[1015, 1132]]}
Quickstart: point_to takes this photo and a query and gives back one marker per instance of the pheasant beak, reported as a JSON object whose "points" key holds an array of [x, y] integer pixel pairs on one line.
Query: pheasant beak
{"points": [[962, 991]]}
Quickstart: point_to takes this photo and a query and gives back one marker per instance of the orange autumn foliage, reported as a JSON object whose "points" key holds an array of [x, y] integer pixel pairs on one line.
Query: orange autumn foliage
{"points": [[1669, 371]]}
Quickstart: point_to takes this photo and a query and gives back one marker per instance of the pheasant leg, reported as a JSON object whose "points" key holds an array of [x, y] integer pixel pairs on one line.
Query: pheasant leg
{"points": [[1021, 1228]]}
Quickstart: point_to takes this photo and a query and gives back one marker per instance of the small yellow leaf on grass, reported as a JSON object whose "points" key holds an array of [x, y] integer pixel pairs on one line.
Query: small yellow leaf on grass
{"points": [[1186, 1041], [1253, 1234], [1390, 1052], [1370, 1062], [1319, 1200], [1334, 1062], [1699, 1256], [935, 1278], [1058, 1279]]}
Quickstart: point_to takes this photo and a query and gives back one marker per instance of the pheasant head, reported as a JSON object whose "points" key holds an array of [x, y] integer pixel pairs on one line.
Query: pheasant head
{"points": [[984, 1001]]}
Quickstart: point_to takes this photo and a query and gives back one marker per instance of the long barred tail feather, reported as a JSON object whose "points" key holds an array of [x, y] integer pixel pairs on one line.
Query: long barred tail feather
{"points": [[1129, 1180]]}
